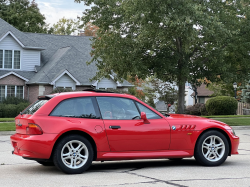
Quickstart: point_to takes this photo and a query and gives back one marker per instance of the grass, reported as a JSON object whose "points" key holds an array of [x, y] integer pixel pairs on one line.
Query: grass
{"points": [[7, 127], [228, 116], [7, 119], [235, 121]]}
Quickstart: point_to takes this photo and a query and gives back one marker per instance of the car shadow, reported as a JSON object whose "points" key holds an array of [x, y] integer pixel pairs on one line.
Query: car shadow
{"points": [[139, 164]]}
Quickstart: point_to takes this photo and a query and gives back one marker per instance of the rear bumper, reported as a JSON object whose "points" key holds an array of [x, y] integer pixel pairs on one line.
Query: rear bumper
{"points": [[33, 146]]}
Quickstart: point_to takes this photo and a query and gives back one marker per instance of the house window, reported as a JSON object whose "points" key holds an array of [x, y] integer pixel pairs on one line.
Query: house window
{"points": [[2, 92], [19, 91], [1, 58], [202, 100], [16, 59], [11, 91], [10, 59]]}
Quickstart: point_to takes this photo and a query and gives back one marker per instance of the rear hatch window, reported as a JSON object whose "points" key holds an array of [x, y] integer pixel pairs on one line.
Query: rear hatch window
{"points": [[34, 107]]}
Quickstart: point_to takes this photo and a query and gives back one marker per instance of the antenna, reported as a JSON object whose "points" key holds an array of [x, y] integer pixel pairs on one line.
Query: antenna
{"points": [[51, 81]]}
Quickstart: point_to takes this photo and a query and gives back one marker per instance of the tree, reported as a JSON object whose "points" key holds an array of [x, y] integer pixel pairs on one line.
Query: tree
{"points": [[90, 29], [65, 26], [176, 40], [23, 15]]}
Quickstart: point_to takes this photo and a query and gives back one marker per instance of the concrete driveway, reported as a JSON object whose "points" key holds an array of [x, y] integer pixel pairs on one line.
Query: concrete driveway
{"points": [[15, 171]]}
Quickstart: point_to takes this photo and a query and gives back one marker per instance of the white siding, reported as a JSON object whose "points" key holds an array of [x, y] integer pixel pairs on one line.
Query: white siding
{"points": [[106, 83], [29, 58], [9, 43], [66, 81]]}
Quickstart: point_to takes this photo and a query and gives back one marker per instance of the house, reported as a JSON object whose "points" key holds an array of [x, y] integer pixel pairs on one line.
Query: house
{"points": [[203, 94], [33, 64]]}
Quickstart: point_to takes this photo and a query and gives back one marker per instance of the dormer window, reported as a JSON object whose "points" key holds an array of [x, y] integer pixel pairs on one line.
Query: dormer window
{"points": [[10, 59]]}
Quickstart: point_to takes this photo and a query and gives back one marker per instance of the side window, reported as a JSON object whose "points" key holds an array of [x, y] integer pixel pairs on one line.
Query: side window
{"points": [[81, 107], [150, 114], [117, 108]]}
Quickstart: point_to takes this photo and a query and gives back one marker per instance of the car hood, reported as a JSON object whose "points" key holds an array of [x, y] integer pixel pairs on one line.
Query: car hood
{"points": [[195, 120]]}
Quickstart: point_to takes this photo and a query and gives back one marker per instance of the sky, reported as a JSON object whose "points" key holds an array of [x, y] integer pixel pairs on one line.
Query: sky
{"points": [[53, 10]]}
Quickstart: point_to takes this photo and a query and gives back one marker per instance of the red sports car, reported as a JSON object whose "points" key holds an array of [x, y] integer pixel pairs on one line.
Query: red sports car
{"points": [[70, 130]]}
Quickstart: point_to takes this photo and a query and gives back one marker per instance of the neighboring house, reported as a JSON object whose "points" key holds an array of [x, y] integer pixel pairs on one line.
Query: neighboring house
{"points": [[203, 94], [34, 64], [188, 93]]}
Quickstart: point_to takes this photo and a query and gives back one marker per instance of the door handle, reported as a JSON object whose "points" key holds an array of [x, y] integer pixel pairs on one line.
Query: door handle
{"points": [[114, 127]]}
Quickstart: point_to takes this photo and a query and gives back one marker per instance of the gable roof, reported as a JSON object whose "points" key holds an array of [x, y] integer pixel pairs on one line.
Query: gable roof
{"points": [[203, 91], [61, 52], [6, 29]]}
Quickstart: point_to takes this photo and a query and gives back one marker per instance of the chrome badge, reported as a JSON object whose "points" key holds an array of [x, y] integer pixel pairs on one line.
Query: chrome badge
{"points": [[18, 123], [174, 128]]}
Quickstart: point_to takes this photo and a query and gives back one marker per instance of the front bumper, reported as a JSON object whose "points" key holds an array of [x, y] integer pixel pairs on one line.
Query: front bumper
{"points": [[235, 141], [33, 146]]}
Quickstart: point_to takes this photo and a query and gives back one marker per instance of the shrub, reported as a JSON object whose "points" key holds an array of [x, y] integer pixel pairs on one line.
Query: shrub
{"points": [[14, 100], [221, 105], [197, 109], [12, 106]]}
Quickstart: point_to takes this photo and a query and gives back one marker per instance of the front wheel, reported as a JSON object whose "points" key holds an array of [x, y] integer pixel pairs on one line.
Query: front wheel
{"points": [[211, 149], [73, 154]]}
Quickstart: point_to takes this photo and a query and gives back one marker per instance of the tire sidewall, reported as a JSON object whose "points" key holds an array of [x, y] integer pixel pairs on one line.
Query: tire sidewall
{"points": [[198, 149], [57, 154]]}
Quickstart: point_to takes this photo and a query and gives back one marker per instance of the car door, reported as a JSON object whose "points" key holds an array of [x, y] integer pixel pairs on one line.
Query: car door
{"points": [[127, 132]]}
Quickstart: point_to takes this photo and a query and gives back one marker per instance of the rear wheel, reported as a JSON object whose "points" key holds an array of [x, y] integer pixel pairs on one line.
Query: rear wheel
{"points": [[212, 148], [73, 154]]}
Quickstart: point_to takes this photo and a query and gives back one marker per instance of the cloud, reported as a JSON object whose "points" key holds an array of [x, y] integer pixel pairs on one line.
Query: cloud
{"points": [[54, 10]]}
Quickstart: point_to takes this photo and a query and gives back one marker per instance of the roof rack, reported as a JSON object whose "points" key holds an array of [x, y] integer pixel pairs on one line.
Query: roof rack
{"points": [[97, 91]]}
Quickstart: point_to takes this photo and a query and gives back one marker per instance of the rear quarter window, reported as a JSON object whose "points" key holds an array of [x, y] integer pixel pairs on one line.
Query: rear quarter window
{"points": [[82, 107]]}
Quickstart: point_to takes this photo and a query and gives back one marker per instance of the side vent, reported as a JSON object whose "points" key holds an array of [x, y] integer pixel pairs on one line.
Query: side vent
{"points": [[185, 127]]}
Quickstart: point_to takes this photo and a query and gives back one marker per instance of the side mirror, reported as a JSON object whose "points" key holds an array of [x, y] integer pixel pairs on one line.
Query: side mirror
{"points": [[144, 118]]}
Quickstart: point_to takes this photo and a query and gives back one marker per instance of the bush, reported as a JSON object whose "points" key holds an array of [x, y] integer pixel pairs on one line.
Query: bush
{"points": [[197, 109], [14, 100], [12, 106], [222, 105]]}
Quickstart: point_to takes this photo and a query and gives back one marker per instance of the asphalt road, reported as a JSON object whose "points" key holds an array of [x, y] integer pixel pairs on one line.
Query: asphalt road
{"points": [[15, 171]]}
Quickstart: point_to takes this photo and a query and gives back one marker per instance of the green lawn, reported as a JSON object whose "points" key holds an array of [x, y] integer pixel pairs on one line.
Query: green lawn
{"points": [[7, 119], [227, 116], [235, 121], [7, 127]]}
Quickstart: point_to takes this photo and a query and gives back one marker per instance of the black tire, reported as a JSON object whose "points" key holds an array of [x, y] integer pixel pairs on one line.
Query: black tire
{"points": [[211, 149], [73, 162], [46, 163]]}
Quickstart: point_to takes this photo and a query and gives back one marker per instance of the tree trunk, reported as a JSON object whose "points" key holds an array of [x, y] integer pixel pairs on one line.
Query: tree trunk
{"points": [[181, 98]]}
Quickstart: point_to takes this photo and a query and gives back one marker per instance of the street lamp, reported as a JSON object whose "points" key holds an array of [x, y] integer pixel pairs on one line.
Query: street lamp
{"points": [[235, 86]]}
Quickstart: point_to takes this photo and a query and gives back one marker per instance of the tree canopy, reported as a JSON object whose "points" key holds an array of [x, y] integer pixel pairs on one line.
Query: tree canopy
{"points": [[65, 26], [23, 15], [176, 40]]}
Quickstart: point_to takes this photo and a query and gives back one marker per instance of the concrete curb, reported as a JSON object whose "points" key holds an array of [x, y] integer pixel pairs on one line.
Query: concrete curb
{"points": [[8, 133]]}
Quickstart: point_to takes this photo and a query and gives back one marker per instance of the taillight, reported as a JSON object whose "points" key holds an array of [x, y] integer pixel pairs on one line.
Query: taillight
{"points": [[33, 129]]}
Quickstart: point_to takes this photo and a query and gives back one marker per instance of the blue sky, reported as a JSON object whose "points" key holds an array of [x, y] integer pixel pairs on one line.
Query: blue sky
{"points": [[53, 10]]}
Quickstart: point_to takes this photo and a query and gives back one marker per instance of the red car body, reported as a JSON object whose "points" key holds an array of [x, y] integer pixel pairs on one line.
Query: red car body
{"points": [[172, 136]]}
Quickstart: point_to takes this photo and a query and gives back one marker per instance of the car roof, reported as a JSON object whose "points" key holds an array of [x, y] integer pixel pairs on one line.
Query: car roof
{"points": [[87, 93]]}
